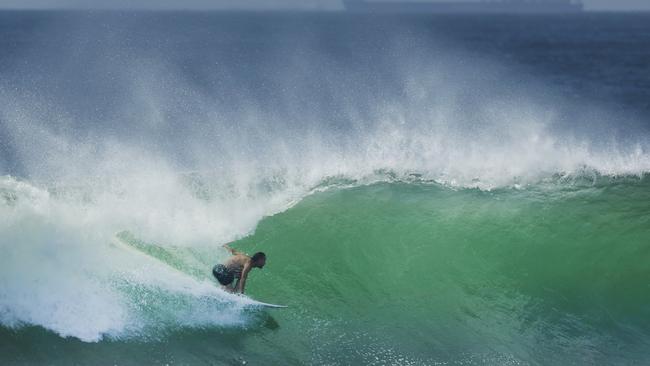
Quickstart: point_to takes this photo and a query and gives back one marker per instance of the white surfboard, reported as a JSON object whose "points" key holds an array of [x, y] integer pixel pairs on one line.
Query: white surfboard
{"points": [[266, 305]]}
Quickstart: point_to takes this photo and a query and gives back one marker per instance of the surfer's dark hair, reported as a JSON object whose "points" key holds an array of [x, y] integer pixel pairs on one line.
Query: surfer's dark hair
{"points": [[257, 256]]}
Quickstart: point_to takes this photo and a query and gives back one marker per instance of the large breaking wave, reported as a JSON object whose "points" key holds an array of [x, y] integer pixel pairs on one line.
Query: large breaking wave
{"points": [[195, 155]]}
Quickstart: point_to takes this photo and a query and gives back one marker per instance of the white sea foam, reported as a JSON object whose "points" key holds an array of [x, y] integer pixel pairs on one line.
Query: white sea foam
{"points": [[59, 269]]}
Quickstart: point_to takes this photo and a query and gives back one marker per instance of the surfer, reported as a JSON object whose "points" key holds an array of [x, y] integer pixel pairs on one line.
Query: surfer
{"points": [[238, 266]]}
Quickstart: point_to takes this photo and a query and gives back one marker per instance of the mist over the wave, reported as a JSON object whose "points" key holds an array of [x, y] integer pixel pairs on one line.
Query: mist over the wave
{"points": [[314, 102]]}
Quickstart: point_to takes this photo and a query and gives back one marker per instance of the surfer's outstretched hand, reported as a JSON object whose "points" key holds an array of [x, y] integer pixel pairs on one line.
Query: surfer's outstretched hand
{"points": [[231, 250]]}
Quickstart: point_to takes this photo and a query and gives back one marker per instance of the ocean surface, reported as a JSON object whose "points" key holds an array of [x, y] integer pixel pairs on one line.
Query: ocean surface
{"points": [[429, 190]]}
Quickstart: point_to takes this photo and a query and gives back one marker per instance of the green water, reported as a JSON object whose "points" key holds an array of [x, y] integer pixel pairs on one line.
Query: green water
{"points": [[410, 274], [546, 275]]}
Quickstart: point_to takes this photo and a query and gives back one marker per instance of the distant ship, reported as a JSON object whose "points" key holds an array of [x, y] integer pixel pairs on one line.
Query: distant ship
{"points": [[463, 6]]}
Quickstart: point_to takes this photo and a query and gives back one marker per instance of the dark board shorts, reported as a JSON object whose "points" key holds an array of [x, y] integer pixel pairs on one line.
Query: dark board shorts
{"points": [[223, 275]]}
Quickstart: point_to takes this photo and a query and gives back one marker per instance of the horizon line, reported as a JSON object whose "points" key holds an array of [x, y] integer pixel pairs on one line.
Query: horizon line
{"points": [[298, 10]]}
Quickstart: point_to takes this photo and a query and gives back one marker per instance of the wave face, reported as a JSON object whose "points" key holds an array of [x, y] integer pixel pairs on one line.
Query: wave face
{"points": [[419, 203], [550, 275]]}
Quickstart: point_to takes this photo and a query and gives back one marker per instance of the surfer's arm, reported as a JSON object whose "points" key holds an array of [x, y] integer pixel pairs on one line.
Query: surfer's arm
{"points": [[242, 280], [231, 250]]}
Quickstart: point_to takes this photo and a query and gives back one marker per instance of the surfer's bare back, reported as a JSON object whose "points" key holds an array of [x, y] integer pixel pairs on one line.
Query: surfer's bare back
{"points": [[238, 266]]}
